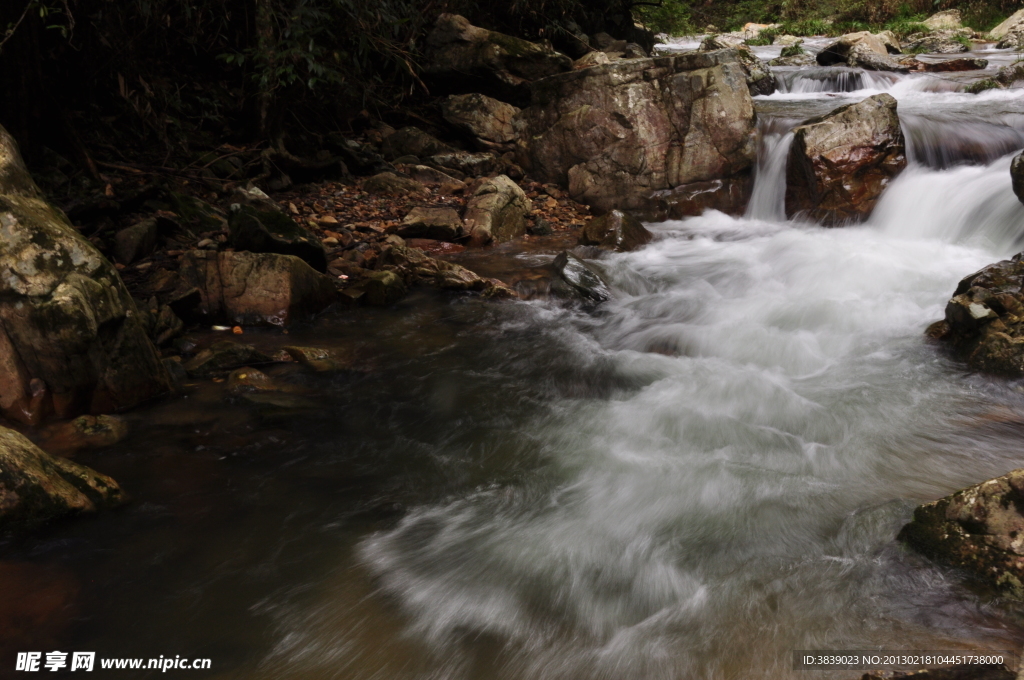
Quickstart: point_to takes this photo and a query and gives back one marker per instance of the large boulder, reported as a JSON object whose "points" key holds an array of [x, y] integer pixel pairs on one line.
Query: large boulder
{"points": [[496, 211], [760, 79], [70, 337], [488, 120], [616, 231], [1013, 23], [951, 41], [250, 288], [985, 318], [861, 56], [838, 51], [979, 529], [840, 163], [36, 487], [1017, 176], [271, 231], [618, 135], [947, 19], [462, 57]]}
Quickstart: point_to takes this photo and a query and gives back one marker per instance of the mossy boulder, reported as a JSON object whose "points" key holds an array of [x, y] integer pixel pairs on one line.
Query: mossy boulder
{"points": [[271, 231], [979, 529], [70, 337], [36, 487]]}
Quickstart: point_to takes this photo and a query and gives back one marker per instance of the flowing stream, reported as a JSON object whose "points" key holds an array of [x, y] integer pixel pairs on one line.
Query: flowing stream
{"points": [[701, 476]]}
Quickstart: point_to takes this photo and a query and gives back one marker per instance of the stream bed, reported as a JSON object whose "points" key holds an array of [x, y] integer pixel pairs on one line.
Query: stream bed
{"points": [[691, 481]]}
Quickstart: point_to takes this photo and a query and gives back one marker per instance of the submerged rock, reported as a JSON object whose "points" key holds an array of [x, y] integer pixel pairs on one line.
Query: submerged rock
{"points": [[616, 231], [497, 212], [271, 231], [84, 432], [36, 487], [222, 356], [318, 359], [840, 163], [583, 281], [618, 134], [985, 318], [70, 337], [250, 288], [463, 57], [979, 529]]}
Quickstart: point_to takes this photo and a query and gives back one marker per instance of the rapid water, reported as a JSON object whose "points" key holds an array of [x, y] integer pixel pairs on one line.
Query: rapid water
{"points": [[694, 480]]}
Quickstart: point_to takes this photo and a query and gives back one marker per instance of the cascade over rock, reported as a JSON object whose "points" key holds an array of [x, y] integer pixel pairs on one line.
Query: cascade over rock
{"points": [[70, 337], [840, 163], [1017, 176], [620, 133]]}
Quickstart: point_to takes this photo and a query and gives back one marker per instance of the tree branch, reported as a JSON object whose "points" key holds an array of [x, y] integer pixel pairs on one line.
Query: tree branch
{"points": [[10, 31]]}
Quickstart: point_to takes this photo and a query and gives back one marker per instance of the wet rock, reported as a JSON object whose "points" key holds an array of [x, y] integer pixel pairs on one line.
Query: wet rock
{"points": [[440, 224], [250, 288], [979, 529], [616, 134], [466, 58], [760, 79], [486, 119], [939, 42], [583, 281], [730, 196], [840, 163], [1013, 23], [497, 211], [946, 66], [985, 318], [384, 288], [412, 141], [319, 360], [860, 56], [616, 231], [1017, 176], [135, 242], [947, 19], [838, 51], [84, 432], [271, 231], [390, 183], [36, 487], [417, 267], [249, 379], [222, 356], [70, 338]]}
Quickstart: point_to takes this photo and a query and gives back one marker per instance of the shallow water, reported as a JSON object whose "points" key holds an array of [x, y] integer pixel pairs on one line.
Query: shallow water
{"points": [[694, 480]]}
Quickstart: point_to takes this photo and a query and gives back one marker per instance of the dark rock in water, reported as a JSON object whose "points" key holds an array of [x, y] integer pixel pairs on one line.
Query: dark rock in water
{"points": [[36, 487], [1017, 176], [319, 360], [616, 231], [250, 288], [84, 432], [271, 231], [384, 288], [730, 196], [466, 58], [70, 337], [617, 134], [985, 317], [439, 224], [949, 65], [222, 356], [249, 379], [135, 242], [412, 141], [979, 529], [583, 280], [840, 163]]}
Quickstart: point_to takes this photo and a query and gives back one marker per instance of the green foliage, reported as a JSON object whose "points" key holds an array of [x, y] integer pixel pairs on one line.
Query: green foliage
{"points": [[794, 50], [673, 17], [903, 26], [765, 37]]}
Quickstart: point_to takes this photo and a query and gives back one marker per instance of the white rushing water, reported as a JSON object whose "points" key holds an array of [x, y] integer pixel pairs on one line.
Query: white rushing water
{"points": [[742, 501]]}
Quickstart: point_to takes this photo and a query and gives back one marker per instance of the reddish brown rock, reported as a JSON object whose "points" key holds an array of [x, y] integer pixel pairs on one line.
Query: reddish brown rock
{"points": [[840, 163], [616, 231], [250, 288]]}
